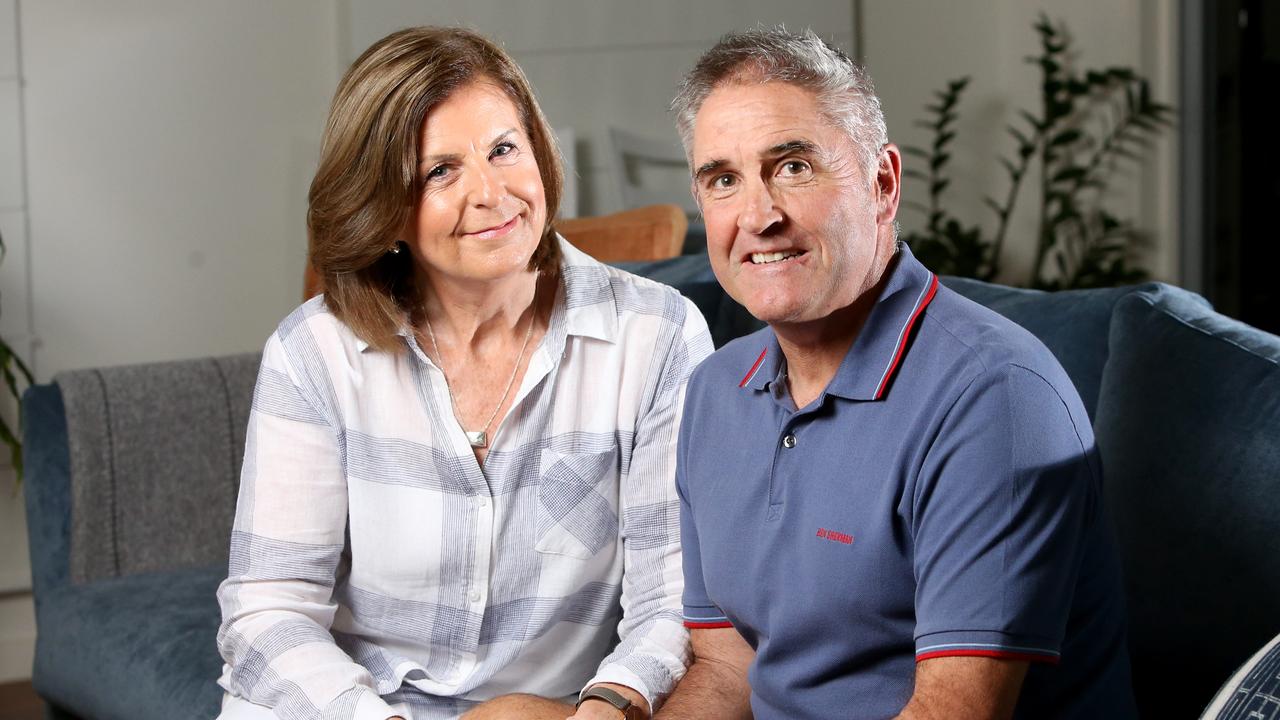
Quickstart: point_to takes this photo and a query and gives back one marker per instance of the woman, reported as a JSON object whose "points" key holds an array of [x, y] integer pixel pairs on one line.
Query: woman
{"points": [[455, 452]]}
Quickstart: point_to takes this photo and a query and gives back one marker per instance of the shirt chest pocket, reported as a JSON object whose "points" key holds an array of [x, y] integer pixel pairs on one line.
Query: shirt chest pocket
{"points": [[577, 503]]}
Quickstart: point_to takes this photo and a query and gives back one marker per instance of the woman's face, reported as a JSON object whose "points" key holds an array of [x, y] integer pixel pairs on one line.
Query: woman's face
{"points": [[482, 210]]}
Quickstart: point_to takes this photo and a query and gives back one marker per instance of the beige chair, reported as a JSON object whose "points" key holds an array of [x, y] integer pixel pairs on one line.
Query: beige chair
{"points": [[655, 232]]}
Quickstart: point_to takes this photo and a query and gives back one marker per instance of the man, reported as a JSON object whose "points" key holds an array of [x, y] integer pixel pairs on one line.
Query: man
{"points": [[890, 495]]}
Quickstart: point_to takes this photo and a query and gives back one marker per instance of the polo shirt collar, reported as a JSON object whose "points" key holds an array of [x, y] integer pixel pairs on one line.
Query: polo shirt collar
{"points": [[588, 308], [868, 369]]}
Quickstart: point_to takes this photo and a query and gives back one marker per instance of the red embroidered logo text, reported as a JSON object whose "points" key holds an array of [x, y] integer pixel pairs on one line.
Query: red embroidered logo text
{"points": [[835, 536]]}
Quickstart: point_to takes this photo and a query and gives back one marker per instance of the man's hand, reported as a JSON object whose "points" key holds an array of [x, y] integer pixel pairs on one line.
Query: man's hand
{"points": [[716, 684], [965, 687]]}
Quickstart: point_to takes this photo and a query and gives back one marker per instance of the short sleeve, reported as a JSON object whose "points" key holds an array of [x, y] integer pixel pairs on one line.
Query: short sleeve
{"points": [[699, 612], [1001, 505]]}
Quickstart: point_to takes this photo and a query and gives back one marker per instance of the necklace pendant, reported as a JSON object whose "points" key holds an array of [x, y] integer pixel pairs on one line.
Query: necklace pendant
{"points": [[478, 439]]}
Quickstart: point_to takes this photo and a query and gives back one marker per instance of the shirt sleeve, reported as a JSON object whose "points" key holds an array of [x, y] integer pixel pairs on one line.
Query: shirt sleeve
{"points": [[654, 648], [1001, 507], [286, 543]]}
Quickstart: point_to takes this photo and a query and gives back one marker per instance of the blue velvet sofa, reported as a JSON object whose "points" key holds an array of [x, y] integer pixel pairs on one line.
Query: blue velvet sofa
{"points": [[132, 474]]}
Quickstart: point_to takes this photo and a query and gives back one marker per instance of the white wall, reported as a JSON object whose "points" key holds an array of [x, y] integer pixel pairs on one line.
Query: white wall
{"points": [[17, 620], [914, 46], [169, 147]]}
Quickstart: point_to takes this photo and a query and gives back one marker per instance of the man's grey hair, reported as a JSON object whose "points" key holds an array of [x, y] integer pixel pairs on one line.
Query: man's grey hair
{"points": [[846, 97]]}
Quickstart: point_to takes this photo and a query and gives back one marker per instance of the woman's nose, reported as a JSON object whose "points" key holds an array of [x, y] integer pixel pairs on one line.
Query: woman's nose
{"points": [[486, 188]]}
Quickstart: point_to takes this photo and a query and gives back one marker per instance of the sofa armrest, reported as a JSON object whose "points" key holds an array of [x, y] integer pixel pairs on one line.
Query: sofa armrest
{"points": [[47, 486]]}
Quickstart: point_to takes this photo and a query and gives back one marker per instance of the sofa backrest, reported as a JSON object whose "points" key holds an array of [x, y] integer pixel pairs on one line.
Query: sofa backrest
{"points": [[1188, 425], [148, 493]]}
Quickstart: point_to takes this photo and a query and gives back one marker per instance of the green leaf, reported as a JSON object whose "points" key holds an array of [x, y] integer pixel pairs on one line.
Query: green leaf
{"points": [[938, 186], [994, 206], [1066, 137], [915, 174], [939, 160], [1011, 168], [915, 151]]}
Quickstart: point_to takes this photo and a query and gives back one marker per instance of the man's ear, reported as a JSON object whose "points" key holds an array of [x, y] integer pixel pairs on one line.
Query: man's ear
{"points": [[888, 183]]}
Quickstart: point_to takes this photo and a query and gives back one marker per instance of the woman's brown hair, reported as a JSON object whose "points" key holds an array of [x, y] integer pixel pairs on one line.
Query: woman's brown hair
{"points": [[367, 186]]}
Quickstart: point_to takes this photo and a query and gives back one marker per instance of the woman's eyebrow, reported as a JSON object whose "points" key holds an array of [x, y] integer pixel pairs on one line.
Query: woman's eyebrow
{"points": [[454, 157]]}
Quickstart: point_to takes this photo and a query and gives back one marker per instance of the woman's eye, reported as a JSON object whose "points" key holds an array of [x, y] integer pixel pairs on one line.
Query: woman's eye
{"points": [[437, 172], [502, 149]]}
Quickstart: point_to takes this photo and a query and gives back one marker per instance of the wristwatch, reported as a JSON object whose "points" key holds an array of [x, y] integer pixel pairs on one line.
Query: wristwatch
{"points": [[629, 711]]}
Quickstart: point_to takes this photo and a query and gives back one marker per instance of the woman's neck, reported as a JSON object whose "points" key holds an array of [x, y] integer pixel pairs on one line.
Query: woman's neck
{"points": [[472, 312]]}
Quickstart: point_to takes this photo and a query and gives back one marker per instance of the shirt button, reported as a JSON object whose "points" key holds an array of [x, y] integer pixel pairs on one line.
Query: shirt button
{"points": [[475, 596], [482, 502], [789, 441]]}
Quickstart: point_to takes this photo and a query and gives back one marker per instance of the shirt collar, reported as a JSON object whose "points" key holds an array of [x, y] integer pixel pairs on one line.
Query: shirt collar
{"points": [[868, 369], [588, 307]]}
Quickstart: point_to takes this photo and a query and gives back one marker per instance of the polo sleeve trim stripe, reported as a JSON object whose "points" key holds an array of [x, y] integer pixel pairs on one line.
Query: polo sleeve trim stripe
{"points": [[1035, 655], [904, 337], [705, 625]]}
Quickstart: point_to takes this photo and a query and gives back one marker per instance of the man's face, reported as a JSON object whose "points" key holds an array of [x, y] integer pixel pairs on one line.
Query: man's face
{"points": [[796, 229]]}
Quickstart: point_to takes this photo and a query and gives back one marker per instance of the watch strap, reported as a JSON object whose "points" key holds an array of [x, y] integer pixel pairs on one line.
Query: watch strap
{"points": [[614, 698]]}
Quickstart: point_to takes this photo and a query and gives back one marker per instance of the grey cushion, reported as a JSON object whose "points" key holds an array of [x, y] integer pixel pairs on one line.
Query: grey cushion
{"points": [[147, 493], [1188, 425]]}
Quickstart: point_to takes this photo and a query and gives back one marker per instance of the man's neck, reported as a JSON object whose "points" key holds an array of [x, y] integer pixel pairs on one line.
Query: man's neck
{"points": [[814, 350]]}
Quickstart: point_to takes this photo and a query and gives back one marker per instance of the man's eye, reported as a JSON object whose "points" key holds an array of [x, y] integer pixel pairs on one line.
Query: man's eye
{"points": [[723, 182], [794, 167]]}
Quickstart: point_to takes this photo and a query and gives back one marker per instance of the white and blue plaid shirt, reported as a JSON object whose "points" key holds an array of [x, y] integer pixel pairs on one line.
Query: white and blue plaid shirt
{"points": [[376, 569]]}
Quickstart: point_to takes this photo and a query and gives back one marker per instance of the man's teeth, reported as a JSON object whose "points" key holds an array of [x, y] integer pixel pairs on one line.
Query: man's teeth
{"points": [[762, 258]]}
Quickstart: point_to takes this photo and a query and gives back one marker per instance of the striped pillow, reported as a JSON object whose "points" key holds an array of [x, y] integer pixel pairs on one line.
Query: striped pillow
{"points": [[1253, 692]]}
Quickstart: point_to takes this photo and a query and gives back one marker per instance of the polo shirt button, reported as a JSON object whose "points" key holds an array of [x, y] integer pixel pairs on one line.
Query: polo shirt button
{"points": [[789, 441]]}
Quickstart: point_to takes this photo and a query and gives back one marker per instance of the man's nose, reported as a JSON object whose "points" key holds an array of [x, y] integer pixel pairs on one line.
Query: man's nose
{"points": [[759, 213], [486, 187]]}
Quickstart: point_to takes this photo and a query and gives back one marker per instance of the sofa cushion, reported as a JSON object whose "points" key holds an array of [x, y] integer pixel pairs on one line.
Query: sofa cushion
{"points": [[1188, 426], [1073, 324], [131, 648]]}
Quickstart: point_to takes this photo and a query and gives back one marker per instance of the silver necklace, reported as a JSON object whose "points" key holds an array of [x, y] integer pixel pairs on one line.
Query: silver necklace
{"points": [[480, 438]]}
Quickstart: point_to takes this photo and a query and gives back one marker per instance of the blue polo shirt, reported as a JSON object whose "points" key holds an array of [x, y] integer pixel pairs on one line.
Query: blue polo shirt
{"points": [[940, 498]]}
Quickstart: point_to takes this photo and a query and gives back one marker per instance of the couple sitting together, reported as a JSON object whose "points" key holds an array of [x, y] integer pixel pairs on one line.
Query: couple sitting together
{"points": [[487, 476]]}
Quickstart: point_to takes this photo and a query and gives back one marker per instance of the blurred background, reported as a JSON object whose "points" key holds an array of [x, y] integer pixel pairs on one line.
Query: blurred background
{"points": [[155, 156]]}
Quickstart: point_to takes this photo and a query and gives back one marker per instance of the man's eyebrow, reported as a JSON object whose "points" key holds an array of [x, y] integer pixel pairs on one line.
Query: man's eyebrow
{"points": [[790, 147], [707, 167], [454, 157]]}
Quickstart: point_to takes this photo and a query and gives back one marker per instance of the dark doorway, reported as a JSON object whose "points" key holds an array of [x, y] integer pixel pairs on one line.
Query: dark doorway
{"points": [[1241, 180]]}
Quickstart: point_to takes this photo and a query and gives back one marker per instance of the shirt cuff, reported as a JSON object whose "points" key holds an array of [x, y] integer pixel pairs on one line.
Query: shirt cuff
{"points": [[977, 643], [619, 675]]}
